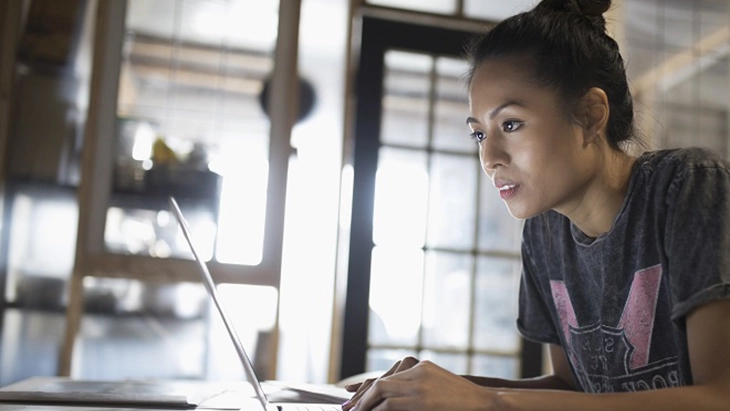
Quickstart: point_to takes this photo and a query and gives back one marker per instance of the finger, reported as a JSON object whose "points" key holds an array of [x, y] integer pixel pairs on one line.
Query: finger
{"points": [[367, 383], [382, 390], [406, 363], [364, 386], [353, 387]]}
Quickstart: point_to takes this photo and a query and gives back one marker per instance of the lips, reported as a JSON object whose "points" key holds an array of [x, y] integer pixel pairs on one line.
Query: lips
{"points": [[507, 190]]}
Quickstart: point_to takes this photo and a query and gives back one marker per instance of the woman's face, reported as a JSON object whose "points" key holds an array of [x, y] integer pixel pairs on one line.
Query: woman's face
{"points": [[536, 157]]}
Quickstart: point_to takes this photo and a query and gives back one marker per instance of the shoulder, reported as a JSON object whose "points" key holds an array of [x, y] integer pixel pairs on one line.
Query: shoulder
{"points": [[667, 171], [681, 160], [681, 186]]}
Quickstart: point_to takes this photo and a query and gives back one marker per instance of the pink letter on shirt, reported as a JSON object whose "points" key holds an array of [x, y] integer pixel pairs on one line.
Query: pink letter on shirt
{"points": [[637, 320], [564, 307]]}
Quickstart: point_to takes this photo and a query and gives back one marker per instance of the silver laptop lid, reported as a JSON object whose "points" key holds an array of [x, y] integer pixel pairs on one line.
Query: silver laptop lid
{"points": [[210, 286]]}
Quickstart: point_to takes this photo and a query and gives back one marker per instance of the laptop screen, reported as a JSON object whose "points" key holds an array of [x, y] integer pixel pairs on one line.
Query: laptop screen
{"points": [[210, 286]]}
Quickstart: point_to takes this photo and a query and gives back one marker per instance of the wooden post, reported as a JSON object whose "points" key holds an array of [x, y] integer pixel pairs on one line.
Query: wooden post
{"points": [[93, 190], [11, 13], [283, 110]]}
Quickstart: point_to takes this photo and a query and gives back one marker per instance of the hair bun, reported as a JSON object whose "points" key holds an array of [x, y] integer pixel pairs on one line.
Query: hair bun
{"points": [[592, 9]]}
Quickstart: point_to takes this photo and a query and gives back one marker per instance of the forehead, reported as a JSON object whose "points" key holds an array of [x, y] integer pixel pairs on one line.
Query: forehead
{"points": [[506, 79]]}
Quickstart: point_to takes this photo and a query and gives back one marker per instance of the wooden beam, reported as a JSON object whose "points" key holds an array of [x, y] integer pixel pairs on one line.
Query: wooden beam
{"points": [[283, 110], [424, 18], [93, 191]]}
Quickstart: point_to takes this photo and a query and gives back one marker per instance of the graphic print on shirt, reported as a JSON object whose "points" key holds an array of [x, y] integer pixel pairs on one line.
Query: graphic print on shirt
{"points": [[615, 357]]}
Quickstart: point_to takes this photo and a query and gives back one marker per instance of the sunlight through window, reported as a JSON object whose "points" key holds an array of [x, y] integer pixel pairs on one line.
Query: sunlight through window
{"points": [[242, 216], [401, 199]]}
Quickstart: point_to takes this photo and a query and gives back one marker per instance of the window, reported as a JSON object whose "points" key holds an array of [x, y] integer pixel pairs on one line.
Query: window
{"points": [[445, 265]]}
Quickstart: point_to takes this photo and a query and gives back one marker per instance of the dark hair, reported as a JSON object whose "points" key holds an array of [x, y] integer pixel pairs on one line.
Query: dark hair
{"points": [[568, 47]]}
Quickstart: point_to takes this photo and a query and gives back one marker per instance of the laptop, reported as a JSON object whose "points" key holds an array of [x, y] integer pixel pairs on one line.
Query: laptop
{"points": [[263, 400]]}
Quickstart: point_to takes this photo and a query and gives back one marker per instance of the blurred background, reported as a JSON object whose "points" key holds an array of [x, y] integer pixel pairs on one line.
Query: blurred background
{"points": [[319, 152]]}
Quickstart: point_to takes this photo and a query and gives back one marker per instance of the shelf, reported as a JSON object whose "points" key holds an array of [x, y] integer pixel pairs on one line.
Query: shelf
{"points": [[183, 183], [171, 270]]}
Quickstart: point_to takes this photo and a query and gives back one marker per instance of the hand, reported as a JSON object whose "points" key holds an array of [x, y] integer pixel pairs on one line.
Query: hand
{"points": [[360, 388], [423, 386]]}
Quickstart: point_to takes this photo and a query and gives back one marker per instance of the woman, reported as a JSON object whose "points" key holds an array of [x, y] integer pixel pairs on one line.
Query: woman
{"points": [[626, 260]]}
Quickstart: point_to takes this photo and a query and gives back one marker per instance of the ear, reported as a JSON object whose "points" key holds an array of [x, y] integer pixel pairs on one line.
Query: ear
{"points": [[593, 113]]}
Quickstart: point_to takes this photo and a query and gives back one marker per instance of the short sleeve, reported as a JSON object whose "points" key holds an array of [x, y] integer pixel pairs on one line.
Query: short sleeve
{"points": [[534, 321], [698, 237]]}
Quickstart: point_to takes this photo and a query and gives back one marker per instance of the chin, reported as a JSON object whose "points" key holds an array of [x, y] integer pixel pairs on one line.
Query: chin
{"points": [[516, 215], [519, 213]]}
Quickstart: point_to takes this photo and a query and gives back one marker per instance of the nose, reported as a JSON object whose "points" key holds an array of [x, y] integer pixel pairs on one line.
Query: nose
{"points": [[493, 154]]}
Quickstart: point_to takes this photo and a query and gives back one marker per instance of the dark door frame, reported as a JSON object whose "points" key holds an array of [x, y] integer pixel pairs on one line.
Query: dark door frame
{"points": [[378, 36]]}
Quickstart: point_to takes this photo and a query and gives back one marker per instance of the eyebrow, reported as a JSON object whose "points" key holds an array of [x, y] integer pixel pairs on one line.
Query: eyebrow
{"points": [[496, 111]]}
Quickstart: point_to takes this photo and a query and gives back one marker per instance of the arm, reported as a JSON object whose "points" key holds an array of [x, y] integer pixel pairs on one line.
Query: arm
{"points": [[708, 333], [425, 386], [561, 379]]}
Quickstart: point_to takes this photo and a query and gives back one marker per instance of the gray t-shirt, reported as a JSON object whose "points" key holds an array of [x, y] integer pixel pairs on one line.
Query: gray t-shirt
{"points": [[617, 304]]}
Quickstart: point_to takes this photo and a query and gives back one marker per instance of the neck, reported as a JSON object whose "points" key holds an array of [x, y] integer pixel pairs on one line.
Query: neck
{"points": [[603, 196]]}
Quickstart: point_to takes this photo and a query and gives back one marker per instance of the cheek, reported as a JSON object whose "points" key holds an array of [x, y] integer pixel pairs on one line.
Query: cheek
{"points": [[547, 166], [536, 158], [555, 149], [557, 178]]}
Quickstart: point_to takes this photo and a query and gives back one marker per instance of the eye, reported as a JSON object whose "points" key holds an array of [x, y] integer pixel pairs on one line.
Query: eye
{"points": [[510, 126], [478, 136]]}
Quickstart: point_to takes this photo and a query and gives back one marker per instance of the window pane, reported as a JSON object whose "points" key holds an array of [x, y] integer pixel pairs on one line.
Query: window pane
{"points": [[452, 204], [451, 108], [382, 360], [498, 230], [495, 366], [495, 10], [433, 6], [447, 300], [396, 280], [495, 314], [456, 363], [152, 16], [406, 99], [41, 244], [234, 22], [401, 195], [198, 21]]}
